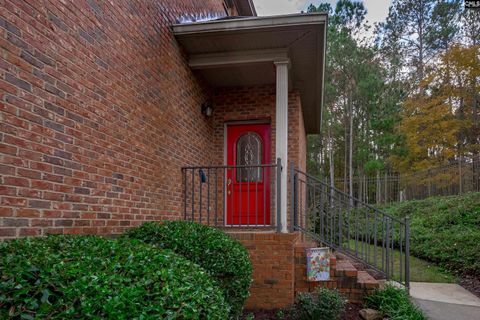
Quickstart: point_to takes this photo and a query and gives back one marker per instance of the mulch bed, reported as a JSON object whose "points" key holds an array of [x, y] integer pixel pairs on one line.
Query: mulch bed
{"points": [[351, 313], [472, 284]]}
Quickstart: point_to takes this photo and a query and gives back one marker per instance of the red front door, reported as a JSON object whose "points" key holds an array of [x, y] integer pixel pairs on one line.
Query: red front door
{"points": [[248, 188]]}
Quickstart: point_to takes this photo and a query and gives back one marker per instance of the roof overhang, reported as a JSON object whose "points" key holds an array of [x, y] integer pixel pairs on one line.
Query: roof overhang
{"points": [[242, 52]]}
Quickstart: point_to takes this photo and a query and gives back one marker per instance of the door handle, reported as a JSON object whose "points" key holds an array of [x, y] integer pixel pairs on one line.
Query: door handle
{"points": [[229, 182]]}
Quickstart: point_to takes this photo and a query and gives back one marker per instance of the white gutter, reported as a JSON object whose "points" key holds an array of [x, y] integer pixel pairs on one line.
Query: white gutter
{"points": [[250, 23]]}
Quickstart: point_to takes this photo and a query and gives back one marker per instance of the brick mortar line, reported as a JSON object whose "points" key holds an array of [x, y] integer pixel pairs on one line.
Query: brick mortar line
{"points": [[64, 75], [30, 161]]}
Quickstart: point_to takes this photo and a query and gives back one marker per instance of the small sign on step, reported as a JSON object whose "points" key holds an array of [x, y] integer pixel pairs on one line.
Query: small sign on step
{"points": [[318, 264]]}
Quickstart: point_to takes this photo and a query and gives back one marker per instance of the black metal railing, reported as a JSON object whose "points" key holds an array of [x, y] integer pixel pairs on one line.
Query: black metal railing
{"points": [[233, 196], [350, 226]]}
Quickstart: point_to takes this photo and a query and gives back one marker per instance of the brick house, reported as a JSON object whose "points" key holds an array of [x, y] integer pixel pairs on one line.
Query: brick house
{"points": [[103, 104], [117, 113]]}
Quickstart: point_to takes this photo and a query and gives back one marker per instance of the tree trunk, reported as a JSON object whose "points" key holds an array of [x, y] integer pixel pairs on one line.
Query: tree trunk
{"points": [[360, 183], [346, 153], [378, 189], [385, 196], [476, 130], [421, 40], [331, 161], [350, 150]]}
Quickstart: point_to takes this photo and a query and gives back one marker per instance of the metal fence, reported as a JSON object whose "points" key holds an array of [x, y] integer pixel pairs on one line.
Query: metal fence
{"points": [[455, 178], [351, 226], [233, 196]]}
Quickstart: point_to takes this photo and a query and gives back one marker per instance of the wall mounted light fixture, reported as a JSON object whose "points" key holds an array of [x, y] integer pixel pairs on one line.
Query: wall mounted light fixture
{"points": [[207, 109]]}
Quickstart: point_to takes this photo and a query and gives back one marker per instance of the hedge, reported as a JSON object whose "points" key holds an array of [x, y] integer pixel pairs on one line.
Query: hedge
{"points": [[87, 277], [444, 230], [224, 258]]}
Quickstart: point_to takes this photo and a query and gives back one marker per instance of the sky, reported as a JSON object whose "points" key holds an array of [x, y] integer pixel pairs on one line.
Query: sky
{"points": [[377, 9]]}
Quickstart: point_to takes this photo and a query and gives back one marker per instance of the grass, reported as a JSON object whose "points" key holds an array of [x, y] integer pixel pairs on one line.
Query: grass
{"points": [[420, 270]]}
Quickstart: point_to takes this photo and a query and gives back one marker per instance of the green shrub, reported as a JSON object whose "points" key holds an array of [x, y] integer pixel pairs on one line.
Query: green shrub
{"points": [[324, 304], [88, 277], [394, 303], [222, 257], [444, 230]]}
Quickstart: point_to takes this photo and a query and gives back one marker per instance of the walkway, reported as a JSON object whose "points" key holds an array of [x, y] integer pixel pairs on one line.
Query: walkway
{"points": [[445, 301]]}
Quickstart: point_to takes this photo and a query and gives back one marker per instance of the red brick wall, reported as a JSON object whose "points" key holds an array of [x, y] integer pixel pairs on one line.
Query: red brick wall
{"points": [[297, 149], [98, 111], [302, 143], [272, 256]]}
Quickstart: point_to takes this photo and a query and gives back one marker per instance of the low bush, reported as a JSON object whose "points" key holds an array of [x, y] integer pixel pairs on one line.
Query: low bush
{"points": [[88, 277], [394, 303], [324, 304], [224, 258], [444, 230]]}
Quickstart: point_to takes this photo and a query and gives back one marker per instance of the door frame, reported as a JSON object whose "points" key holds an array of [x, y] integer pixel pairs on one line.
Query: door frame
{"points": [[225, 139]]}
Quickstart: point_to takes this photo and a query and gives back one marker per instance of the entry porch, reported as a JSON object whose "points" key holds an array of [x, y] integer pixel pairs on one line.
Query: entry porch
{"points": [[265, 82]]}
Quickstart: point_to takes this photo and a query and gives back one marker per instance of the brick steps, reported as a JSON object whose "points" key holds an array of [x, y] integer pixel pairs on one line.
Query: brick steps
{"points": [[280, 270], [360, 266], [345, 269], [344, 276], [367, 281]]}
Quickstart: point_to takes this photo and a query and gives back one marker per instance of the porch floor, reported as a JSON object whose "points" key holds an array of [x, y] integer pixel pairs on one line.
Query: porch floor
{"points": [[233, 230]]}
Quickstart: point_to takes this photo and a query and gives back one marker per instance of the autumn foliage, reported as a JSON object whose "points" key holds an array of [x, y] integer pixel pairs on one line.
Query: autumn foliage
{"points": [[438, 121]]}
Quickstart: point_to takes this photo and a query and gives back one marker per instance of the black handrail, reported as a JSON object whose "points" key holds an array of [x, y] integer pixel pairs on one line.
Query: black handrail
{"points": [[350, 226]]}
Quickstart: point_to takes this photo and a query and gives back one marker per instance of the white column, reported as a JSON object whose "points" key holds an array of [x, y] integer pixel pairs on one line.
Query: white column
{"points": [[281, 136]]}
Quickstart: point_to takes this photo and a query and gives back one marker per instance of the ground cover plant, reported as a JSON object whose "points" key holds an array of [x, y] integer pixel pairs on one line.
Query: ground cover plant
{"points": [[323, 304], [224, 258], [444, 230], [394, 303], [88, 277]]}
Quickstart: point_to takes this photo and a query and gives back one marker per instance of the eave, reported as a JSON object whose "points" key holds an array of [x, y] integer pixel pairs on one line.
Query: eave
{"points": [[242, 52]]}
